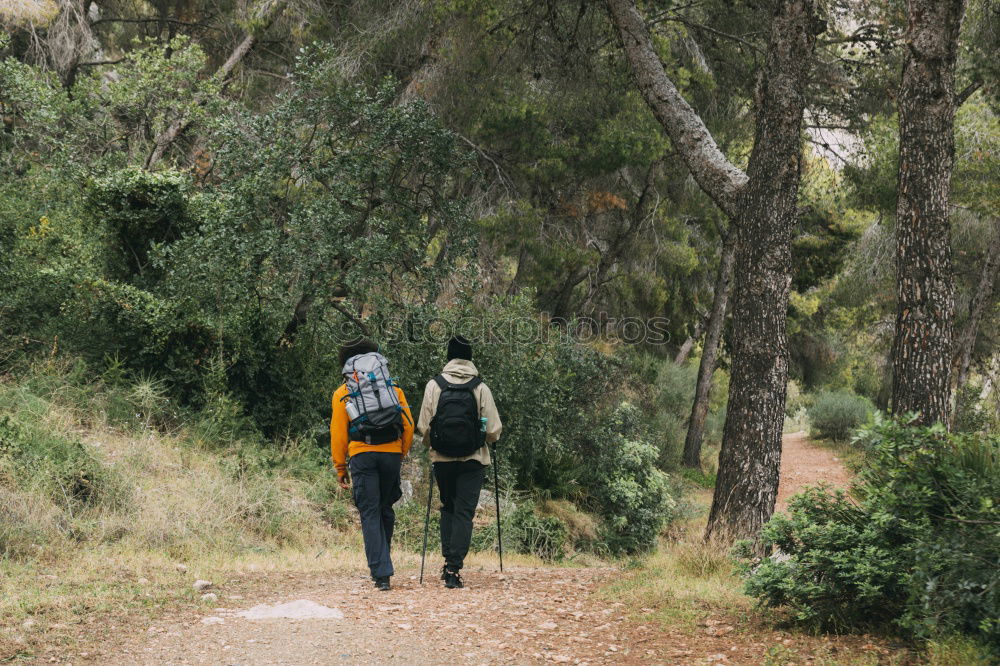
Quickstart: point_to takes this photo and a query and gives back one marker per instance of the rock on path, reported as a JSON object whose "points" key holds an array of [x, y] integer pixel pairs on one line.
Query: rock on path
{"points": [[302, 609]]}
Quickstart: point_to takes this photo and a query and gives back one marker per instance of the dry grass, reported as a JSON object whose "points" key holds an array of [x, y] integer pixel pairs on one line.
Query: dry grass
{"points": [[682, 583], [28, 12], [580, 526], [161, 500]]}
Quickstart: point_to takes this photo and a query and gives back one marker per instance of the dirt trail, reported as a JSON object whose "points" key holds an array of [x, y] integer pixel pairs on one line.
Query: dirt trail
{"points": [[806, 464], [528, 616]]}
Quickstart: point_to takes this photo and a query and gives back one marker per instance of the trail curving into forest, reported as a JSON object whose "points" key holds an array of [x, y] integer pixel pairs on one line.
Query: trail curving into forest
{"points": [[529, 615], [806, 464]]}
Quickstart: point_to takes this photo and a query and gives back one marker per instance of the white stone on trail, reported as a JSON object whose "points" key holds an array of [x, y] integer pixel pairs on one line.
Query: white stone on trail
{"points": [[201, 585], [302, 609], [211, 619]]}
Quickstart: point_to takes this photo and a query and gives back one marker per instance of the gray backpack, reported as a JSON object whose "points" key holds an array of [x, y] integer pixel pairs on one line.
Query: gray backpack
{"points": [[376, 417]]}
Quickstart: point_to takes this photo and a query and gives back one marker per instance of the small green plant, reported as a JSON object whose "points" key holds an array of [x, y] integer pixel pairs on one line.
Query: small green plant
{"points": [[836, 414], [542, 536], [635, 499], [64, 469]]}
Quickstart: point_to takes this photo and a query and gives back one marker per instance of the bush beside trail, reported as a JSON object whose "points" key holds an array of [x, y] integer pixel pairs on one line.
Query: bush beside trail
{"points": [[836, 414], [914, 547]]}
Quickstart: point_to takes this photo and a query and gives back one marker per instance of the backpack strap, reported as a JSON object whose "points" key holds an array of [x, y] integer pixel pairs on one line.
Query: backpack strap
{"points": [[467, 386]]}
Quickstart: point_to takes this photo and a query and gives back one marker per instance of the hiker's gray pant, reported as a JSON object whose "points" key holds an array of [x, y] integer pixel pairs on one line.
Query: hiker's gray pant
{"points": [[375, 480], [459, 483]]}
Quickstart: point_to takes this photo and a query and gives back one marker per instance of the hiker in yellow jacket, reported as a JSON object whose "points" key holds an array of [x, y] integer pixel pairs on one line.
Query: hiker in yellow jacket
{"points": [[368, 449]]}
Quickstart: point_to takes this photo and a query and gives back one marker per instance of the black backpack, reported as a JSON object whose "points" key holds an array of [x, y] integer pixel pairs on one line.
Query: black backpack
{"points": [[456, 431]]}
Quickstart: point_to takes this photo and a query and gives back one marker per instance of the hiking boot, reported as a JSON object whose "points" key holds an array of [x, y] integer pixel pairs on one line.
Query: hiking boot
{"points": [[451, 579], [382, 583]]}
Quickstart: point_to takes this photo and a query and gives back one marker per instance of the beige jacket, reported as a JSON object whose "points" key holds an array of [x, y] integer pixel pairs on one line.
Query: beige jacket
{"points": [[459, 371]]}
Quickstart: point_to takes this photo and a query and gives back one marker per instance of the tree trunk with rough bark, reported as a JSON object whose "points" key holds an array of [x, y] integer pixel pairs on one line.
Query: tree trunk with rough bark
{"points": [[762, 207], [750, 460], [714, 173], [925, 290], [706, 368]]}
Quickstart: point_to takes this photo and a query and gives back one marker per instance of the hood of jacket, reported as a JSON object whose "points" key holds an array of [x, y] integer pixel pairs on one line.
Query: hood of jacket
{"points": [[459, 371]]}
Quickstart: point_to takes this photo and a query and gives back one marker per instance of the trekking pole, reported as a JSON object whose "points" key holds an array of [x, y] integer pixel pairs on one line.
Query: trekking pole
{"points": [[427, 523], [496, 496]]}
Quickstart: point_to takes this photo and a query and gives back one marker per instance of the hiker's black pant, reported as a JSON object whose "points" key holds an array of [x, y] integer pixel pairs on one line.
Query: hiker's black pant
{"points": [[459, 484], [375, 480]]}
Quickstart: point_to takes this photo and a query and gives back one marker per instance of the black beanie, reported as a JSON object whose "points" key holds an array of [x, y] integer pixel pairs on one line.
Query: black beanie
{"points": [[355, 347], [459, 347]]}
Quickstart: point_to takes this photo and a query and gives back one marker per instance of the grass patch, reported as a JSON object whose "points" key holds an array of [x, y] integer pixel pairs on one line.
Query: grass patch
{"points": [[683, 582], [849, 454], [699, 477], [957, 651]]}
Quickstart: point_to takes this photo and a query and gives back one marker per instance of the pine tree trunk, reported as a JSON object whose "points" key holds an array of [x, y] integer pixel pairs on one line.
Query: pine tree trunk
{"points": [[747, 483], [761, 203], [925, 291], [703, 390]]}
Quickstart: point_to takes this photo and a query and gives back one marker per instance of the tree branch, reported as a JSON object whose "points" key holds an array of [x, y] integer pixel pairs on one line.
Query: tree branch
{"points": [[267, 14], [714, 173], [967, 92], [339, 307], [112, 19]]}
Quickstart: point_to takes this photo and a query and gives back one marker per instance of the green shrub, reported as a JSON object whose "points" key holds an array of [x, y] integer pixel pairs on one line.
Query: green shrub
{"points": [[633, 497], [836, 569], [970, 414], [916, 546], [835, 414], [542, 536], [582, 527], [525, 531]]}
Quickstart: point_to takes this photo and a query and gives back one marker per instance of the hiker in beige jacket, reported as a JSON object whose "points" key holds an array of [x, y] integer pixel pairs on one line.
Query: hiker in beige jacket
{"points": [[459, 439]]}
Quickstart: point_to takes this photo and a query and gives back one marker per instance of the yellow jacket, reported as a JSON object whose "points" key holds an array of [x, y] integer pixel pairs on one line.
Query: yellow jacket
{"points": [[341, 448]]}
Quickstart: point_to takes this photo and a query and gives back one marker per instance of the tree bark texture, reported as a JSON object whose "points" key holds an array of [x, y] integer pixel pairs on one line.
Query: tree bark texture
{"points": [[925, 290], [709, 354], [750, 460], [761, 206]]}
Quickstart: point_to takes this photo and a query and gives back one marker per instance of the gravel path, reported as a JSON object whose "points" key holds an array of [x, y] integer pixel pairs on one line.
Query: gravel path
{"points": [[524, 616]]}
